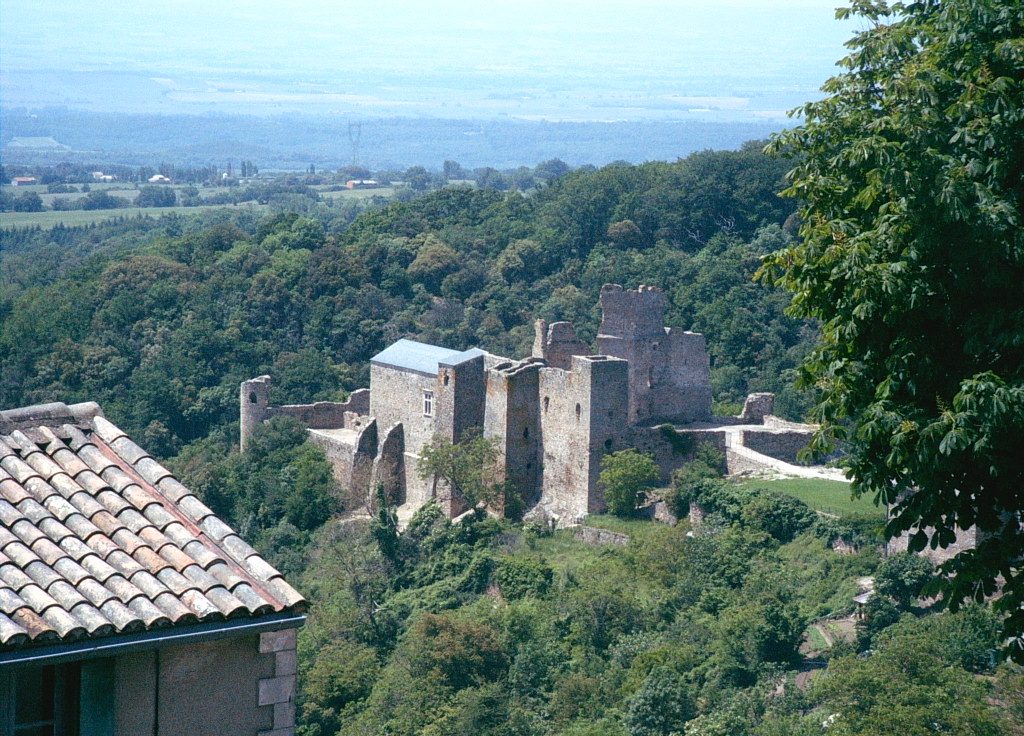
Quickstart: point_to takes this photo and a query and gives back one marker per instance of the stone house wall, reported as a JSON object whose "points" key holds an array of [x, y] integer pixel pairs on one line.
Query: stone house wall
{"points": [[239, 685], [397, 398]]}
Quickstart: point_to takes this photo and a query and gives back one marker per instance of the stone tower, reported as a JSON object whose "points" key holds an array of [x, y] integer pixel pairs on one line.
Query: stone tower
{"points": [[669, 370], [512, 421], [254, 402], [582, 418]]}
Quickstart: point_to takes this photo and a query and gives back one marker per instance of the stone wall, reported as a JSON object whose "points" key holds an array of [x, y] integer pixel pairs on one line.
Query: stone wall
{"points": [[244, 685], [671, 447], [389, 469], [783, 444], [351, 453], [593, 535], [966, 539], [255, 408], [512, 421], [557, 343], [757, 407], [325, 414], [583, 412], [669, 370]]}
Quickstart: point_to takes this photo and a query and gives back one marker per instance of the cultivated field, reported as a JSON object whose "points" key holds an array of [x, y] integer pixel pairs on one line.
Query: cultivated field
{"points": [[357, 193], [71, 218]]}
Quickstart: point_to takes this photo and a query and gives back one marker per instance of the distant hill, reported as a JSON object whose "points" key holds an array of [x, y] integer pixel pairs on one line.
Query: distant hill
{"points": [[295, 141]]}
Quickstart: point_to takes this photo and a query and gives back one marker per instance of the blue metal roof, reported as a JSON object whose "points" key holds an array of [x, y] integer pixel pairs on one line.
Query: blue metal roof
{"points": [[416, 356], [462, 357]]}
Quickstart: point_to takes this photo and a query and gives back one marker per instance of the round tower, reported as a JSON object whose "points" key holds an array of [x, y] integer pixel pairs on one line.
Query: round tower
{"points": [[254, 402]]}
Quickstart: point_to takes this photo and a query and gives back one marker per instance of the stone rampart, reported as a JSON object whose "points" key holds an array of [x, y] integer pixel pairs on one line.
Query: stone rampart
{"points": [[255, 408], [351, 453], [783, 444], [325, 414], [757, 407]]}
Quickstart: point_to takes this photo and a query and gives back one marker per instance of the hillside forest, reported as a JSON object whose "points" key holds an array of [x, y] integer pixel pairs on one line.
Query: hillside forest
{"points": [[492, 626]]}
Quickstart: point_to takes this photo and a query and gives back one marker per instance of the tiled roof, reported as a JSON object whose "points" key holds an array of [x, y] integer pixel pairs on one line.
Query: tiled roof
{"points": [[97, 538]]}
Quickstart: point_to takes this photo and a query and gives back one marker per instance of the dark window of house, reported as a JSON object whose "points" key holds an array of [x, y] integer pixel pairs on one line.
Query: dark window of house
{"points": [[59, 700], [547, 400], [46, 701], [445, 379], [578, 411], [526, 433], [608, 444], [252, 397], [35, 706]]}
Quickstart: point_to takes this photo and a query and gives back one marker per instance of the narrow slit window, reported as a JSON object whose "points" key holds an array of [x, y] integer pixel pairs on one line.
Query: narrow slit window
{"points": [[428, 403]]}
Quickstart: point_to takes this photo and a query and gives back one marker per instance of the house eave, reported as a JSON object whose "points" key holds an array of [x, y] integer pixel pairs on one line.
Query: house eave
{"points": [[110, 646]]}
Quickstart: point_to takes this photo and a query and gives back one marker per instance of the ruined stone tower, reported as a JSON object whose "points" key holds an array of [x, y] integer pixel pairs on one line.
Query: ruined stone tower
{"points": [[254, 403], [669, 370]]}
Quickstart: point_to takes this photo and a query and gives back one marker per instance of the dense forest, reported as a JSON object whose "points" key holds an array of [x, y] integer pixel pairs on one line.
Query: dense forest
{"points": [[489, 627]]}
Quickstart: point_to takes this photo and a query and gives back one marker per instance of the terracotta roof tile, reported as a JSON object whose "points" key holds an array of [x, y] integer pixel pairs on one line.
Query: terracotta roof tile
{"points": [[194, 508], [14, 577], [72, 571], [11, 631], [113, 502], [97, 538]]}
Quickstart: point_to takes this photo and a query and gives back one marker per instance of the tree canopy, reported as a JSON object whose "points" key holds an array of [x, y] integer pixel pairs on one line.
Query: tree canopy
{"points": [[911, 178]]}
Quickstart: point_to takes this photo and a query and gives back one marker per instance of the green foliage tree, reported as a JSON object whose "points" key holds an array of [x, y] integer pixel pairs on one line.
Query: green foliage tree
{"points": [[694, 479], [27, 202], [156, 197], [902, 577], [912, 256], [456, 653], [904, 689], [625, 476], [661, 707], [467, 466], [879, 613], [778, 514]]}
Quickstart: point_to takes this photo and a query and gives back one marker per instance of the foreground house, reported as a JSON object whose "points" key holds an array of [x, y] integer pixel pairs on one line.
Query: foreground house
{"points": [[126, 605]]}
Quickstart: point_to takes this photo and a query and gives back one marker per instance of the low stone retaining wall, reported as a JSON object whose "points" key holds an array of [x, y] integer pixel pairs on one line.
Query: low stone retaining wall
{"points": [[593, 535]]}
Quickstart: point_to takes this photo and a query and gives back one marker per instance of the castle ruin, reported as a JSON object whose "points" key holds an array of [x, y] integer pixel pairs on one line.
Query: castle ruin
{"points": [[552, 416]]}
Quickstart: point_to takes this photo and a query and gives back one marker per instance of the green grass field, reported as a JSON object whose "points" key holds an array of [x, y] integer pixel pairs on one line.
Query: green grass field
{"points": [[357, 193], [71, 218], [829, 496]]}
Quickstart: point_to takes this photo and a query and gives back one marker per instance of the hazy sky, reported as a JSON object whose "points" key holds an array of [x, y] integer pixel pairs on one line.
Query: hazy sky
{"points": [[556, 59]]}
